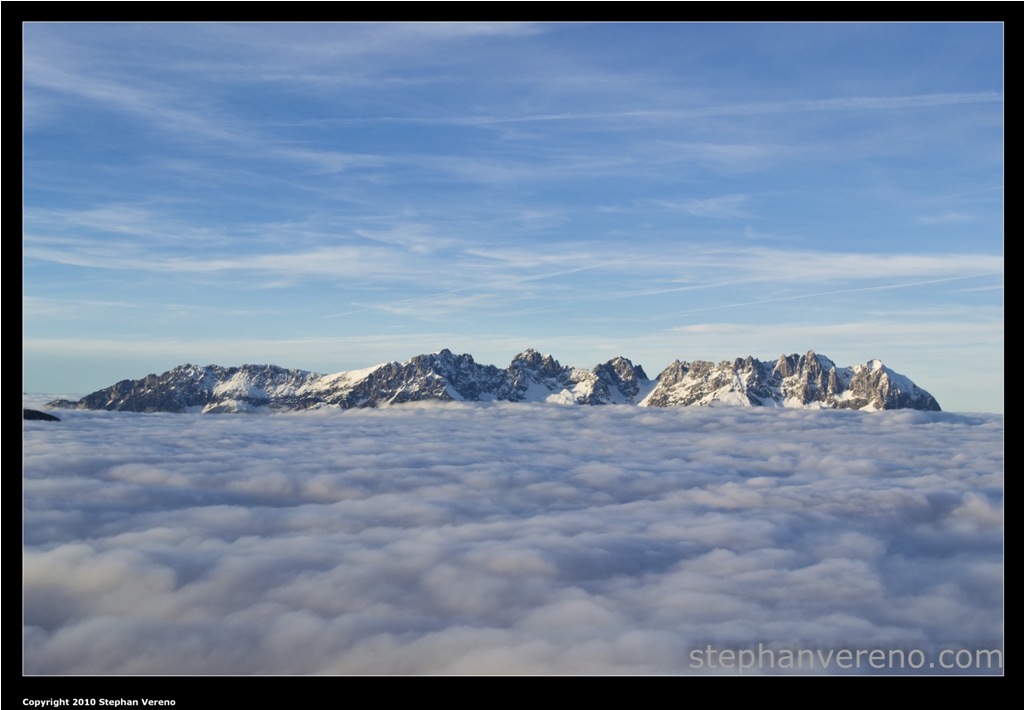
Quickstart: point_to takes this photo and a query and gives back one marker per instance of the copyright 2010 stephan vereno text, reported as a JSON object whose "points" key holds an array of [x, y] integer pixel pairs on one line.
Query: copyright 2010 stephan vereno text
{"points": [[743, 659], [102, 702]]}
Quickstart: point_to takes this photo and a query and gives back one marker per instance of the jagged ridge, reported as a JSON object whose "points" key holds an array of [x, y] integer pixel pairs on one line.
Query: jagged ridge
{"points": [[793, 381], [809, 380]]}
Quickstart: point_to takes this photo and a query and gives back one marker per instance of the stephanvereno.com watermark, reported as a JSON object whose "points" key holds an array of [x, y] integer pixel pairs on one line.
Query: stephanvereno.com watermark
{"points": [[804, 659]]}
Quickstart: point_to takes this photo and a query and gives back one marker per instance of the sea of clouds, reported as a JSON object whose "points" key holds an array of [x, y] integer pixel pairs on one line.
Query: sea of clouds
{"points": [[506, 538]]}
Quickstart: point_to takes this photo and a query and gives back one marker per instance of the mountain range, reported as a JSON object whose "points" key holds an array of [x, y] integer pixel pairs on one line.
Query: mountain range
{"points": [[808, 381]]}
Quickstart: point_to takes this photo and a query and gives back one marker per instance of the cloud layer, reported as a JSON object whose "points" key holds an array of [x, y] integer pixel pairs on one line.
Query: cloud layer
{"points": [[504, 538]]}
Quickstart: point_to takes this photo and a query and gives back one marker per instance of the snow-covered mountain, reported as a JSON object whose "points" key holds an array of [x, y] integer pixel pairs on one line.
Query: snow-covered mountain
{"points": [[792, 381], [809, 381]]}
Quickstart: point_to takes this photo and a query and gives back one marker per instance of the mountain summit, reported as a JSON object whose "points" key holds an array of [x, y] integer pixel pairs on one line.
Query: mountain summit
{"points": [[808, 381]]}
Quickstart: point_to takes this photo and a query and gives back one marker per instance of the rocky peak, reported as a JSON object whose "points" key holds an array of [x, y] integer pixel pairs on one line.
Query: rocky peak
{"points": [[674, 373], [619, 374], [544, 365], [747, 364], [786, 365], [619, 369]]}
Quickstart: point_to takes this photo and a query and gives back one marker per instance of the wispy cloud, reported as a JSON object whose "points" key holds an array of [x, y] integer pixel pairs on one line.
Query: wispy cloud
{"points": [[990, 328], [823, 265], [947, 218], [722, 206], [435, 306], [154, 104], [731, 155], [752, 233], [993, 287], [851, 103], [818, 294], [331, 161]]}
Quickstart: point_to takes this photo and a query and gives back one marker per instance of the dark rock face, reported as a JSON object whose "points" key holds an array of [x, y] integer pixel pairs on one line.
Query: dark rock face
{"points": [[442, 376], [622, 375], [35, 415], [793, 380]]}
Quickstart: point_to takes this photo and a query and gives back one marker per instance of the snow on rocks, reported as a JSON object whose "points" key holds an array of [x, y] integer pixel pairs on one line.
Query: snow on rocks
{"points": [[805, 381]]}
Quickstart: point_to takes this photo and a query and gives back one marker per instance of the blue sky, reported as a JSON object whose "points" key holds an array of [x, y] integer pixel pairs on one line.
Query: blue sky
{"points": [[333, 196]]}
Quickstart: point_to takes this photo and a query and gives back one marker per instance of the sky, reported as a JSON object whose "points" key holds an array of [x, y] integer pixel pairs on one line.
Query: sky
{"points": [[509, 538], [333, 196]]}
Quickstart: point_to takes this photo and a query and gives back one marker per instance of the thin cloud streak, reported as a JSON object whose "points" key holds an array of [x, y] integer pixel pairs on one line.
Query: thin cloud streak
{"points": [[886, 287], [852, 103], [727, 206], [395, 306]]}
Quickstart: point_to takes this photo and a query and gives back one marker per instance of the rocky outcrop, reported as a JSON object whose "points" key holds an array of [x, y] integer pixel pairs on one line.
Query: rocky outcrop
{"points": [[36, 415]]}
